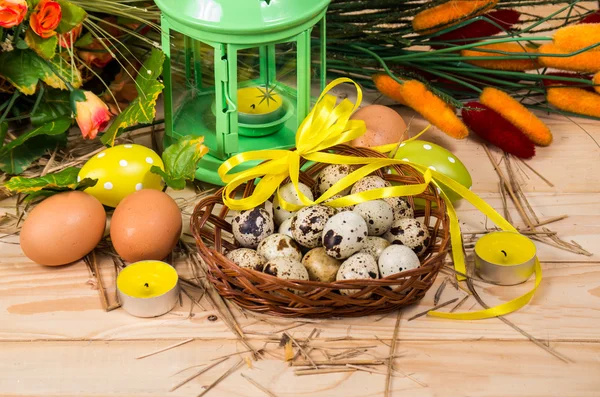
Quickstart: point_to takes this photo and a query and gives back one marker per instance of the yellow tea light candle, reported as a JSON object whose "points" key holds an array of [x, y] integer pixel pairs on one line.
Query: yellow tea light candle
{"points": [[505, 258], [148, 288], [259, 105]]}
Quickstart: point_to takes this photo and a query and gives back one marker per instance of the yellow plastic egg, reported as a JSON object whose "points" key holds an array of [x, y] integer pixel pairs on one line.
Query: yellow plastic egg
{"points": [[121, 170]]}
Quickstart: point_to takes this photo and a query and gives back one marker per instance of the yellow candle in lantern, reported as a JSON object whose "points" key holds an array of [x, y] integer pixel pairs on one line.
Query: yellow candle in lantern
{"points": [[505, 257], [254, 100], [148, 288]]}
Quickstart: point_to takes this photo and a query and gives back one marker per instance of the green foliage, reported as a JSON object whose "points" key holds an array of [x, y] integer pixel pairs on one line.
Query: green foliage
{"points": [[72, 16], [143, 108], [54, 104], [181, 160], [50, 184], [20, 158], [57, 127], [45, 48]]}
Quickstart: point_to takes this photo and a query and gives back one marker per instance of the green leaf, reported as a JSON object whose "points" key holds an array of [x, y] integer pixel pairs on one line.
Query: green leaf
{"points": [[85, 40], [20, 158], [3, 131], [54, 104], [65, 180], [181, 160], [57, 127], [46, 48], [72, 16], [143, 108], [24, 69]]}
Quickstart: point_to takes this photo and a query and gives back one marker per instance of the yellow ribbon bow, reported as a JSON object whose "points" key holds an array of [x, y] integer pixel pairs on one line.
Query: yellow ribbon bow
{"points": [[328, 125]]}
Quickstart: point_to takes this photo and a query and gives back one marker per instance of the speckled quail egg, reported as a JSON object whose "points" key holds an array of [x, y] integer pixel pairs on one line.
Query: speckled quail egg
{"points": [[285, 227], [330, 175], [409, 232], [358, 266], [286, 268], [320, 266], [288, 193], [369, 183], [397, 258], [279, 246], [247, 258], [308, 224], [251, 226], [378, 214], [401, 207], [344, 234], [338, 209], [374, 246]]}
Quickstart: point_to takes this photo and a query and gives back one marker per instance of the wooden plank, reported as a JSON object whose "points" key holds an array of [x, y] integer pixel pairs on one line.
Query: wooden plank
{"points": [[448, 368]]}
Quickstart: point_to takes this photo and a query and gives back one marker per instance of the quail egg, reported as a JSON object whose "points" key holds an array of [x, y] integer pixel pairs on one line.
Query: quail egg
{"points": [[247, 258], [397, 258], [320, 266], [286, 268], [344, 234], [285, 227], [369, 183], [338, 209], [251, 226], [288, 193], [358, 266], [409, 232], [330, 175], [401, 207], [374, 246], [279, 246], [308, 224], [378, 214]]}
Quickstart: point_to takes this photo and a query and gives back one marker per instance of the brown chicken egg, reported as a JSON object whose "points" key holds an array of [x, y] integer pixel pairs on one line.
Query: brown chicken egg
{"points": [[384, 125], [146, 225], [63, 228]]}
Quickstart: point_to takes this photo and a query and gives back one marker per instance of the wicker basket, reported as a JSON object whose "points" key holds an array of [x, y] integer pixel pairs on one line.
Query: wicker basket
{"points": [[263, 293]]}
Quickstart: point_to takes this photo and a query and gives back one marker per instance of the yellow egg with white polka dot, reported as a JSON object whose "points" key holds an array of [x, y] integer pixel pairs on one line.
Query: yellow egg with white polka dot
{"points": [[121, 170]]}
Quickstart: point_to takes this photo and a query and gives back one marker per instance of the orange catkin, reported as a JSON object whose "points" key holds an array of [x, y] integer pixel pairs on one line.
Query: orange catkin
{"points": [[502, 64], [449, 13], [517, 114], [588, 61], [575, 100], [575, 37], [416, 95], [596, 81]]}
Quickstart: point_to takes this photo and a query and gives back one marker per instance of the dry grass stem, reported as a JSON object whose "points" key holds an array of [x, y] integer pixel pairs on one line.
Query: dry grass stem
{"points": [[338, 362], [165, 348], [299, 346], [418, 382], [195, 375], [220, 378], [459, 304], [432, 309], [258, 386], [320, 371], [388, 377], [440, 290]]}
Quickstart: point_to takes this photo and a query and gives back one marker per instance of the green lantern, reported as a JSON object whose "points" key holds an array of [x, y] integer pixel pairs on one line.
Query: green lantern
{"points": [[239, 72]]}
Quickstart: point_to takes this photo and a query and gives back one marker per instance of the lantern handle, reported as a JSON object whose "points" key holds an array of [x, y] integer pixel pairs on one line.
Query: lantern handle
{"points": [[230, 103]]}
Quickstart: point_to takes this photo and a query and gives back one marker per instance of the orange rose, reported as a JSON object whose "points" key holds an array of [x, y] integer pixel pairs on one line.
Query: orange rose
{"points": [[92, 114], [66, 40], [12, 12], [45, 18], [96, 53]]}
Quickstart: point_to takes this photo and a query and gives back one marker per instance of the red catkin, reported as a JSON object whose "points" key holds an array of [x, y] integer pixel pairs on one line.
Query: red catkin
{"points": [[592, 18], [495, 129], [554, 83]]}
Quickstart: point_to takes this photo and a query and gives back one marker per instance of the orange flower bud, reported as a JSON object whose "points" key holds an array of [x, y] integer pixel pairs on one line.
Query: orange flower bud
{"points": [[575, 100], [92, 115], [449, 13], [588, 61], [502, 64], [575, 37], [45, 18], [12, 12]]}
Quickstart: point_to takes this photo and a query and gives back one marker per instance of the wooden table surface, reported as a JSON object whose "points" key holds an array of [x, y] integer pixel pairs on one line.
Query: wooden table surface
{"points": [[56, 340]]}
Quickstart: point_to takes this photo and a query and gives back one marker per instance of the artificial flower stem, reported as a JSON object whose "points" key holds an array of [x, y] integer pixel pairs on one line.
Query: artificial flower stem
{"points": [[11, 103], [454, 79]]}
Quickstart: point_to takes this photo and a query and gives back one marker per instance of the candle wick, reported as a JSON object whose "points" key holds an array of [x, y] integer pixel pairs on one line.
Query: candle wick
{"points": [[504, 252], [146, 285], [253, 106]]}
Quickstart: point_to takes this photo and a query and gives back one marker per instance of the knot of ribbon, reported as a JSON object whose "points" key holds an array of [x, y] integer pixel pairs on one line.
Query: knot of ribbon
{"points": [[328, 124]]}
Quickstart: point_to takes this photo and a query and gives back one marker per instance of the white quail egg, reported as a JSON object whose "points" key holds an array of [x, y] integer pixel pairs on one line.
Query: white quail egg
{"points": [[401, 207], [378, 214], [374, 246], [287, 269], [358, 266], [247, 258], [397, 258], [251, 226], [320, 266], [338, 209], [308, 224], [279, 246], [344, 234], [369, 183], [330, 175], [288, 193], [285, 227], [409, 232]]}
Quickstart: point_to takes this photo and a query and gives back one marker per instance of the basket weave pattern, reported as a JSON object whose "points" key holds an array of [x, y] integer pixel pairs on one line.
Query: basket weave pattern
{"points": [[267, 294]]}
